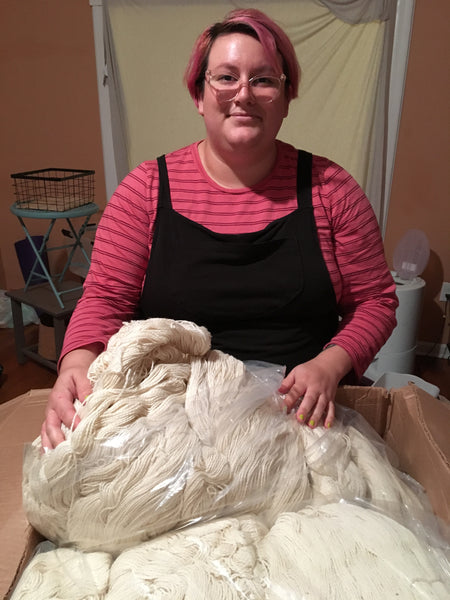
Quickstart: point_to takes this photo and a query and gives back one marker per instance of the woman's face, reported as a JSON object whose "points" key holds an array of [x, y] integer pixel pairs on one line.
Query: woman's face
{"points": [[243, 123]]}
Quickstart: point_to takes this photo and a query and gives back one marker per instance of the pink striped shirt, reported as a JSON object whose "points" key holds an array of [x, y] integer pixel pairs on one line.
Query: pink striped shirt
{"points": [[348, 233]]}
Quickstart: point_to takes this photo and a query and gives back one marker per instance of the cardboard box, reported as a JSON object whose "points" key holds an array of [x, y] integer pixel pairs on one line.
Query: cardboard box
{"points": [[20, 422], [414, 424]]}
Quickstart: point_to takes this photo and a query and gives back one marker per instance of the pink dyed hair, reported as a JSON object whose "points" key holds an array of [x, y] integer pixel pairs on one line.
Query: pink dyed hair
{"points": [[251, 22]]}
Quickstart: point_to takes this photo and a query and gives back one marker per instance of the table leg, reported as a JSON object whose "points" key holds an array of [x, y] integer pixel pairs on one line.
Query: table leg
{"points": [[38, 253], [60, 330], [19, 332], [77, 244]]}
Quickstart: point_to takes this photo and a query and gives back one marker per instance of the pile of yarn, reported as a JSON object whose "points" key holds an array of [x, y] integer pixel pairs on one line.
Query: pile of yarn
{"points": [[187, 473]]}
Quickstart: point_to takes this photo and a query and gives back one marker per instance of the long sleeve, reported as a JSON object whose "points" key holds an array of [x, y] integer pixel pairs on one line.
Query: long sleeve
{"points": [[119, 262], [354, 254]]}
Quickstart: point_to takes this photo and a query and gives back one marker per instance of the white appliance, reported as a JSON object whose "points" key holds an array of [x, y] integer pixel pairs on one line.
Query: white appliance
{"points": [[410, 259]]}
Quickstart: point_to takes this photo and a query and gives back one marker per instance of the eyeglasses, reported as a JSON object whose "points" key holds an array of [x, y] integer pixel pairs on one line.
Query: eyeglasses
{"points": [[264, 88]]}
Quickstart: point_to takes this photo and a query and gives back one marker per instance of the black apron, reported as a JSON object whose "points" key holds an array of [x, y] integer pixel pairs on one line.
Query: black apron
{"points": [[264, 295]]}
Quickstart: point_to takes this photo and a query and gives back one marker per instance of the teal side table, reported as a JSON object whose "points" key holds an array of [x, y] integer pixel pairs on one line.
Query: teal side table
{"points": [[86, 211], [42, 298]]}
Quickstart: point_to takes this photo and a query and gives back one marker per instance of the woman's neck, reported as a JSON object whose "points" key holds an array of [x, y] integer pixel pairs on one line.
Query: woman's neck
{"points": [[237, 170]]}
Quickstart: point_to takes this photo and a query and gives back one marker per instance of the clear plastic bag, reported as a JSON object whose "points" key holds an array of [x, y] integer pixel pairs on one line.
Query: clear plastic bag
{"points": [[335, 551], [166, 453], [189, 472], [6, 321]]}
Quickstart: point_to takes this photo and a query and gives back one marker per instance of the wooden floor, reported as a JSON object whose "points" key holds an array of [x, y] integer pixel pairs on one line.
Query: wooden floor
{"points": [[19, 379]]}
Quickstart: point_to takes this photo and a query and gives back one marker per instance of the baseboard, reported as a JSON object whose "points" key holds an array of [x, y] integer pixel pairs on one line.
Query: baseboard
{"points": [[432, 349]]}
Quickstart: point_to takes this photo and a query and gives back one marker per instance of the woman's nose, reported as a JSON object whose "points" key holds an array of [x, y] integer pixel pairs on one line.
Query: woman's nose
{"points": [[244, 92]]}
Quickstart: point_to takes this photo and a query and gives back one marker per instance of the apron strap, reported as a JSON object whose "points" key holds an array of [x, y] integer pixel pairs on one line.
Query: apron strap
{"points": [[164, 199], [304, 179]]}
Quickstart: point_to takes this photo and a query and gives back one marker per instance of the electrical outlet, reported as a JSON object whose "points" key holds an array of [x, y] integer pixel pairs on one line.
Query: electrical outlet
{"points": [[445, 289]]}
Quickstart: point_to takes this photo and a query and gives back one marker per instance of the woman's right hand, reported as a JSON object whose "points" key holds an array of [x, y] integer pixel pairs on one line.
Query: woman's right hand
{"points": [[72, 383]]}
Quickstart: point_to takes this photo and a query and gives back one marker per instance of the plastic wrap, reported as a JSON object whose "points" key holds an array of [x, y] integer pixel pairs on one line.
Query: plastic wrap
{"points": [[187, 472], [64, 573], [6, 318], [335, 551], [171, 451]]}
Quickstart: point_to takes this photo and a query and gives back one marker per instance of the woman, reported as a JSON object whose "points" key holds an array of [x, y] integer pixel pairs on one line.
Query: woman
{"points": [[276, 252]]}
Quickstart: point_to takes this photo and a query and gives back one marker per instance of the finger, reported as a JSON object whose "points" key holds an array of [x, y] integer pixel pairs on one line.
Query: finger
{"points": [[62, 403], [320, 409], [294, 398], [46, 444], [51, 434], [287, 383], [311, 410], [84, 392], [329, 419], [67, 415], [294, 393], [306, 407]]}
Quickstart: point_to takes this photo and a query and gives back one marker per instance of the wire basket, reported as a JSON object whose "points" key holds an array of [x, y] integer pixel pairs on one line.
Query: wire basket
{"points": [[53, 189]]}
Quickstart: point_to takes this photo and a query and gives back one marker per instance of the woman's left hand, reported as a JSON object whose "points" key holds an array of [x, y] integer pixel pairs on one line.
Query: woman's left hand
{"points": [[311, 387]]}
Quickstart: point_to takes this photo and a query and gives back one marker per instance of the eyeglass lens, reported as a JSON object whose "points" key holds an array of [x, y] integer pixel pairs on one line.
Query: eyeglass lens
{"points": [[264, 88]]}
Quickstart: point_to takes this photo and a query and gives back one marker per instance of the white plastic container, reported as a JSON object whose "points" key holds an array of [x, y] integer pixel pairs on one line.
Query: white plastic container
{"points": [[398, 353], [397, 380]]}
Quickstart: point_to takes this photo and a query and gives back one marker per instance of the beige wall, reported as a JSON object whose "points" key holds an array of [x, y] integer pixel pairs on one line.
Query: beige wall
{"points": [[50, 117], [49, 105], [420, 197]]}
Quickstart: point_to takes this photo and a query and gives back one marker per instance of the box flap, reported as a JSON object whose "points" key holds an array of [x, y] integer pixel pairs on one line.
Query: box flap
{"points": [[418, 432], [20, 423], [370, 402]]}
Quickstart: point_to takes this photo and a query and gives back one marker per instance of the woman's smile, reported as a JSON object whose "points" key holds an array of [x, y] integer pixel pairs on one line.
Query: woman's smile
{"points": [[244, 117]]}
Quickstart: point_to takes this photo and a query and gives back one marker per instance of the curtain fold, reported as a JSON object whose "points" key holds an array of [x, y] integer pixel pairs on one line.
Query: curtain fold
{"points": [[360, 11]]}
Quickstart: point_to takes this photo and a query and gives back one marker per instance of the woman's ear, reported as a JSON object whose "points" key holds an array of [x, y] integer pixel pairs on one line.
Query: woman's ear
{"points": [[199, 104], [286, 108]]}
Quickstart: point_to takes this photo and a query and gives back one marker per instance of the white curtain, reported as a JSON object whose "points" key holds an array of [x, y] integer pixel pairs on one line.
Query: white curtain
{"points": [[360, 11], [344, 49]]}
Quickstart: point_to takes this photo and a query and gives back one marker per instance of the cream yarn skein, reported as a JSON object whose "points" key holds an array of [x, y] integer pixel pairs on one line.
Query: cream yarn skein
{"points": [[342, 551], [143, 460], [333, 552], [66, 574]]}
